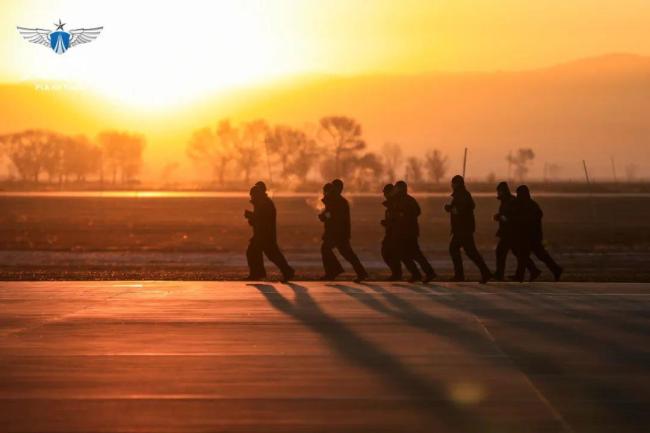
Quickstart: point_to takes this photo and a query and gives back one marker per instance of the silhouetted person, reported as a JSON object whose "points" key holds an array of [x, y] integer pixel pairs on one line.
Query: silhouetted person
{"points": [[337, 234], [506, 233], [527, 217], [461, 210], [264, 240], [389, 246], [407, 231]]}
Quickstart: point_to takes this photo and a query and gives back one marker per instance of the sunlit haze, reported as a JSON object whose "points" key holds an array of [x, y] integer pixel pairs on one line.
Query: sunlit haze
{"points": [[491, 75], [156, 54]]}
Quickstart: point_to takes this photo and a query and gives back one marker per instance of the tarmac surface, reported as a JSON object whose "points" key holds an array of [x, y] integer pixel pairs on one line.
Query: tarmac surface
{"points": [[324, 357]]}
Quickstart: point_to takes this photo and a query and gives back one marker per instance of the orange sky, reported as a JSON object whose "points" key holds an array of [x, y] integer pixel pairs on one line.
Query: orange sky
{"points": [[155, 59], [156, 54]]}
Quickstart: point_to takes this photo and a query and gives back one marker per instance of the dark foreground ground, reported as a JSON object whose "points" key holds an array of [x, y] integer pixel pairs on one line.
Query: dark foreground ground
{"points": [[312, 357], [600, 238]]}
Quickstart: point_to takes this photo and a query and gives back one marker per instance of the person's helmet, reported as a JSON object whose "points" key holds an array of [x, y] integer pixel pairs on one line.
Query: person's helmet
{"points": [[503, 187], [261, 185], [337, 184], [523, 192]]}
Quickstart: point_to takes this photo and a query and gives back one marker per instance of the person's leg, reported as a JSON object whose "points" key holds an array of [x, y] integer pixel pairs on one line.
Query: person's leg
{"points": [[421, 260], [272, 251], [255, 260], [540, 252], [522, 252], [454, 252], [348, 254], [470, 249], [501, 252], [407, 253], [331, 264], [533, 270], [392, 259]]}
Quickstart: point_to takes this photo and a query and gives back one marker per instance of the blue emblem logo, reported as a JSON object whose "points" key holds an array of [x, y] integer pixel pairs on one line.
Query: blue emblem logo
{"points": [[60, 40]]}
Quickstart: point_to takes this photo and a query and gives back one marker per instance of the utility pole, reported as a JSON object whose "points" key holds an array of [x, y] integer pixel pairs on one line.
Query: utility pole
{"points": [[509, 165], [464, 163], [591, 197]]}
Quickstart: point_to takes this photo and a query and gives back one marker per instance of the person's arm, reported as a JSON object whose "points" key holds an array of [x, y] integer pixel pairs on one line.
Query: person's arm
{"points": [[417, 211], [464, 203], [346, 223], [538, 212]]}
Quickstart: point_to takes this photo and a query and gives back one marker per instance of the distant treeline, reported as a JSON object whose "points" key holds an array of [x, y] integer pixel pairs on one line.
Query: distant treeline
{"points": [[114, 156], [232, 156], [290, 156]]}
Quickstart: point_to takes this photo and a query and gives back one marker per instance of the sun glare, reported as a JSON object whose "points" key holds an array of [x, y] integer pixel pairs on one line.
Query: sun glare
{"points": [[156, 56]]}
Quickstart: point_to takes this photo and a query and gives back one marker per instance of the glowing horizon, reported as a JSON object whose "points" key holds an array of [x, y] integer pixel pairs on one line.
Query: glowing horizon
{"points": [[160, 55]]}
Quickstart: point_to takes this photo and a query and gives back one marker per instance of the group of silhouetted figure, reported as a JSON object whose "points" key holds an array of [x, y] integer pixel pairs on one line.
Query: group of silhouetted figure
{"points": [[520, 232]]}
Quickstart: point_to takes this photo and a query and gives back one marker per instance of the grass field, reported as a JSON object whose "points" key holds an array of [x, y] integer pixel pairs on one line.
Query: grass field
{"points": [[602, 238]]}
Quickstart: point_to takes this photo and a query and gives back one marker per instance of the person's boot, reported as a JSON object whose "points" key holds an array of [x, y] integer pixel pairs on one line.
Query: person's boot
{"points": [[558, 273], [485, 277], [415, 277], [534, 274], [288, 275], [429, 277], [255, 277], [498, 277], [330, 277], [361, 277], [517, 278], [394, 277]]}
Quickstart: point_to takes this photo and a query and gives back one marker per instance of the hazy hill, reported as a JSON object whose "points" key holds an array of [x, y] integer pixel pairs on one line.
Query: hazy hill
{"points": [[590, 108]]}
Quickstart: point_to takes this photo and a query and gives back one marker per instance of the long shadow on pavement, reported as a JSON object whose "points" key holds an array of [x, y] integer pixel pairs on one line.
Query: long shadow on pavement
{"points": [[604, 401], [359, 351]]}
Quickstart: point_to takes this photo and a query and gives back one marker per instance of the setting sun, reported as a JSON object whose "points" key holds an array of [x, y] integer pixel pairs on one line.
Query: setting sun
{"points": [[151, 55], [395, 216], [154, 54]]}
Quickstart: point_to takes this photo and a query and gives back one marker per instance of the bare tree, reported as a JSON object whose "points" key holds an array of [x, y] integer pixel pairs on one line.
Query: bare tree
{"points": [[369, 171], [631, 172], [122, 152], [553, 171], [32, 151], [520, 161], [214, 148], [414, 171], [393, 159], [81, 158], [436, 165], [342, 135], [112, 151], [294, 150], [169, 171], [249, 146]]}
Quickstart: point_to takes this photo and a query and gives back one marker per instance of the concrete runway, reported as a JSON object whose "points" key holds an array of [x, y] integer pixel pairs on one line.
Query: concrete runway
{"points": [[314, 357]]}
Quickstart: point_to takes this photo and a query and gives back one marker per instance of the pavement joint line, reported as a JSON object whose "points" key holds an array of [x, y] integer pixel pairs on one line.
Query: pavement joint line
{"points": [[209, 397], [554, 412], [60, 317], [210, 354]]}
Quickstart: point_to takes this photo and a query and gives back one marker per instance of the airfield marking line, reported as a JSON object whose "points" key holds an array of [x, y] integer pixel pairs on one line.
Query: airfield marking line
{"points": [[556, 414]]}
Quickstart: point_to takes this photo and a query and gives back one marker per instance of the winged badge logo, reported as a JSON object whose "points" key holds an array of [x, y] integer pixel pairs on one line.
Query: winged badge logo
{"points": [[60, 40]]}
